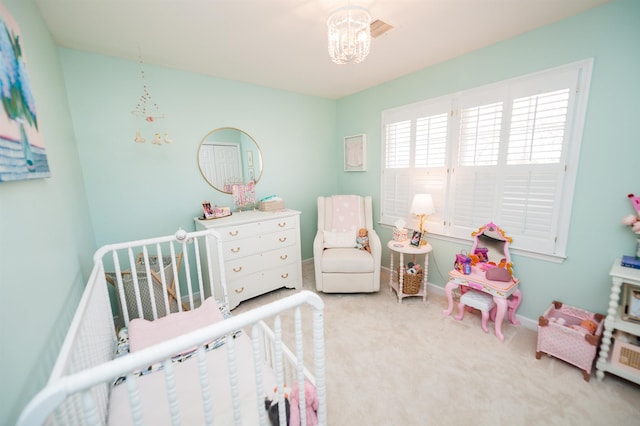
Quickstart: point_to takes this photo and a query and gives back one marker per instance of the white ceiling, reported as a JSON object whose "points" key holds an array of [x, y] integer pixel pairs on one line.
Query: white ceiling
{"points": [[283, 43]]}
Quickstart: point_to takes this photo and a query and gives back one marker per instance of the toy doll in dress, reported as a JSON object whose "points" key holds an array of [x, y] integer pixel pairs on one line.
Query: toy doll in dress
{"points": [[362, 240]]}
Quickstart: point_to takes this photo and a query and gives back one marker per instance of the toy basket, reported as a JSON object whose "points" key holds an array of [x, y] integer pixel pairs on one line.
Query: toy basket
{"points": [[410, 282], [271, 206], [625, 355], [559, 336]]}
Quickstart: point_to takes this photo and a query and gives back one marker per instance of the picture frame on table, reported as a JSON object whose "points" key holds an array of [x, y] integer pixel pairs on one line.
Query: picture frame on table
{"points": [[630, 303], [207, 210], [416, 239]]}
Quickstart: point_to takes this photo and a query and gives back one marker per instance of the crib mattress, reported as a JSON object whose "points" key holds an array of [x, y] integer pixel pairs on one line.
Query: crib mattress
{"points": [[153, 390]]}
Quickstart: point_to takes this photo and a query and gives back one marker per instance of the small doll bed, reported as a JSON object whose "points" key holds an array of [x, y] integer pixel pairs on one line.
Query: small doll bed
{"points": [[199, 365]]}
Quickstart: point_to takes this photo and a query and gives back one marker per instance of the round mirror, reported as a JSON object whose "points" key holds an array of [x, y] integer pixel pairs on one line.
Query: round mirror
{"points": [[228, 156]]}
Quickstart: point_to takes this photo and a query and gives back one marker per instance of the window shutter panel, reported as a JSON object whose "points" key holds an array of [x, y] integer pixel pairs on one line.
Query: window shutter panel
{"points": [[396, 196], [538, 128], [398, 145], [529, 203]]}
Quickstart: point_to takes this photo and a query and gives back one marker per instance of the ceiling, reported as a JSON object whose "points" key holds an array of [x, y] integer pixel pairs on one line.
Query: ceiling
{"points": [[283, 43]]}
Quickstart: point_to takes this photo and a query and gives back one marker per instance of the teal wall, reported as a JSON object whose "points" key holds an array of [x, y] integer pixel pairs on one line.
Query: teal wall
{"points": [[46, 237], [106, 188], [141, 190], [608, 168]]}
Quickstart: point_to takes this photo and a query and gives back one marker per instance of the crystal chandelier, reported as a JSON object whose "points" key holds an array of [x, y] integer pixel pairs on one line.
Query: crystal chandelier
{"points": [[349, 34]]}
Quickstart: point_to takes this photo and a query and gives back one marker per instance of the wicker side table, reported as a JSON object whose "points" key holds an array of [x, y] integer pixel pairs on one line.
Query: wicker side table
{"points": [[403, 248]]}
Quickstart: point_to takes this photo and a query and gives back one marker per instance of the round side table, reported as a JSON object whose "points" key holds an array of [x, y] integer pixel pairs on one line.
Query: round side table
{"points": [[404, 247]]}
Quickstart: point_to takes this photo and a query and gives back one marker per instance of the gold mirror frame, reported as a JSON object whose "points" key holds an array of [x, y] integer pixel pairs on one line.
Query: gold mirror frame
{"points": [[228, 155]]}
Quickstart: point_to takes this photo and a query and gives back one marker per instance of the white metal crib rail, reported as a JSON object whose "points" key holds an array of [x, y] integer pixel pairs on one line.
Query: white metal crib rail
{"points": [[79, 386]]}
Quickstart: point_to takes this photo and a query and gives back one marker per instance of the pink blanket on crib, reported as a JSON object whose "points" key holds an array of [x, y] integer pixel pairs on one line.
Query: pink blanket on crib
{"points": [[347, 213]]}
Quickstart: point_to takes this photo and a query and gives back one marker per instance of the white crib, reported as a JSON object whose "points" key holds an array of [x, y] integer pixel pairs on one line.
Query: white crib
{"points": [[225, 385]]}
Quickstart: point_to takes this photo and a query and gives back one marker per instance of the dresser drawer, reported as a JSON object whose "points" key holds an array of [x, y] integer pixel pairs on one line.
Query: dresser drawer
{"points": [[237, 248], [262, 282], [238, 232], [247, 265], [276, 240], [234, 249]]}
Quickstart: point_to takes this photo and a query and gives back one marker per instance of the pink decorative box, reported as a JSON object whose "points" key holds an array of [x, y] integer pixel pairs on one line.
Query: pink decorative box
{"points": [[570, 334]]}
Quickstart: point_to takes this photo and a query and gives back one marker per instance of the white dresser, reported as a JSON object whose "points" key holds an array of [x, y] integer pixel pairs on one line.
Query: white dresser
{"points": [[261, 252]]}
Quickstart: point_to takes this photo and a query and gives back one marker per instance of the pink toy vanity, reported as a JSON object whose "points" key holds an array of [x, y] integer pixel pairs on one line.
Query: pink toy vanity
{"points": [[494, 246]]}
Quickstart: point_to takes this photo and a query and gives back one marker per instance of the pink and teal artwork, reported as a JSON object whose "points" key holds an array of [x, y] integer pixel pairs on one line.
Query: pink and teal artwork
{"points": [[22, 152]]}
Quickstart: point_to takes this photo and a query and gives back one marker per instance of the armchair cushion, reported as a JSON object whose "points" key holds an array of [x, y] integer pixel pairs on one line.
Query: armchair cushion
{"points": [[347, 260], [336, 239]]}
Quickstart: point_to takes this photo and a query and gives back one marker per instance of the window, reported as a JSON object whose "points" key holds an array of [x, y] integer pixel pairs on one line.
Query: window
{"points": [[505, 153]]}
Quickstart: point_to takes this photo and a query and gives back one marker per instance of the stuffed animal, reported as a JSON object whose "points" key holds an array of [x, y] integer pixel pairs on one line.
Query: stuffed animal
{"points": [[633, 221], [271, 405], [585, 327], [413, 268], [311, 404]]}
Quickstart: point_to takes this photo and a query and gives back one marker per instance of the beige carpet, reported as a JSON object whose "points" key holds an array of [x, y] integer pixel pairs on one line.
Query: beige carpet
{"points": [[407, 364]]}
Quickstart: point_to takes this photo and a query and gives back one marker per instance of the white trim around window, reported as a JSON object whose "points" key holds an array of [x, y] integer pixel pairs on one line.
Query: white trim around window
{"points": [[506, 152]]}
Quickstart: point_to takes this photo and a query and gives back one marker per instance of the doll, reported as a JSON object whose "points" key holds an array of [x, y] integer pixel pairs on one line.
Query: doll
{"points": [[362, 240]]}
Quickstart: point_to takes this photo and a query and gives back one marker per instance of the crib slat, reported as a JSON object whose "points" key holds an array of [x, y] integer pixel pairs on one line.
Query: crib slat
{"points": [[256, 344], [134, 400], [277, 325], [233, 380], [199, 270], [90, 408], [318, 344], [299, 367], [172, 392], [163, 278], [204, 386]]}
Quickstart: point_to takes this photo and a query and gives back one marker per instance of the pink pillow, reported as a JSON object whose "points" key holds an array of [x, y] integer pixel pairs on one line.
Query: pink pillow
{"points": [[144, 333]]}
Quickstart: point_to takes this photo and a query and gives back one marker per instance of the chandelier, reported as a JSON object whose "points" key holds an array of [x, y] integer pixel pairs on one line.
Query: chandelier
{"points": [[349, 34]]}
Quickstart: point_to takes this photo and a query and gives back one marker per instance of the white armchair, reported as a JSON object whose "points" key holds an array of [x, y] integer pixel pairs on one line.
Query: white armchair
{"points": [[339, 266]]}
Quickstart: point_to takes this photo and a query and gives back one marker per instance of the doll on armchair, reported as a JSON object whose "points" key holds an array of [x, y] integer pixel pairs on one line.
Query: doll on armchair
{"points": [[362, 240]]}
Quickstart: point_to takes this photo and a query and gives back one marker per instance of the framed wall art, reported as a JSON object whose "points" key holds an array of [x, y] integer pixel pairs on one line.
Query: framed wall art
{"points": [[630, 302], [355, 153], [21, 143]]}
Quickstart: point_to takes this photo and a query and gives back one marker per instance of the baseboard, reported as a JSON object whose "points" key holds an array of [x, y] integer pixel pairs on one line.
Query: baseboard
{"points": [[531, 324]]}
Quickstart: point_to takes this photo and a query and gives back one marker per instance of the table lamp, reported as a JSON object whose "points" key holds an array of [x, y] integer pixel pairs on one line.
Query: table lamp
{"points": [[422, 205]]}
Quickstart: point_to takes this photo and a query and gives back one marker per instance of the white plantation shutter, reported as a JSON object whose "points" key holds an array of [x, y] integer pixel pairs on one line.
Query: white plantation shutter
{"points": [[480, 129], [504, 153], [415, 160]]}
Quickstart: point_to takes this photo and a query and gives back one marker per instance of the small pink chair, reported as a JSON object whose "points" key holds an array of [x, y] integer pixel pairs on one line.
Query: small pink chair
{"points": [[478, 300]]}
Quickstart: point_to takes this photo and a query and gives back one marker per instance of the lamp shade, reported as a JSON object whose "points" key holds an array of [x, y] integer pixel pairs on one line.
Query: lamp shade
{"points": [[422, 204]]}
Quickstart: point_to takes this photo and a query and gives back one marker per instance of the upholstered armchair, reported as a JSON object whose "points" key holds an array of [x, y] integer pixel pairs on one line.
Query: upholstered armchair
{"points": [[340, 267]]}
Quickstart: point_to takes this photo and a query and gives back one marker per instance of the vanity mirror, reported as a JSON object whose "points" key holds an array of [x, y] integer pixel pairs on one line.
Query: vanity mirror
{"points": [[229, 156]]}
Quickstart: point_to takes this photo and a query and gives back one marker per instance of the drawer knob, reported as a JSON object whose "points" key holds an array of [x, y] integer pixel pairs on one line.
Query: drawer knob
{"points": [[239, 290], [282, 239], [238, 269], [284, 257], [235, 250], [234, 233], [282, 224], [284, 276]]}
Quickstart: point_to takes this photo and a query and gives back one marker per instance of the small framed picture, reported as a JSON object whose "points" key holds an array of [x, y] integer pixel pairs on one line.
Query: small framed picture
{"points": [[630, 302], [208, 211], [416, 238]]}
